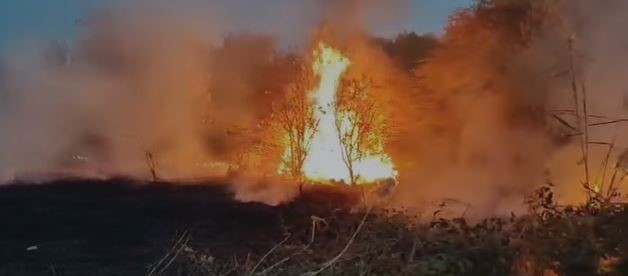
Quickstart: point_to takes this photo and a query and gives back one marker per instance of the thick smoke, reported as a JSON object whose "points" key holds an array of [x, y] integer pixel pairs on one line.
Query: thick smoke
{"points": [[488, 136], [133, 90]]}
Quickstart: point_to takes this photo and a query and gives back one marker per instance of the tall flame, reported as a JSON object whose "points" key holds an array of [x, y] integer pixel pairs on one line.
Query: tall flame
{"points": [[324, 160]]}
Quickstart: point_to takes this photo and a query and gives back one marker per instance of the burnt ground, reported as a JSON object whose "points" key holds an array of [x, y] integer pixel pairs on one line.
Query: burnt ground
{"points": [[119, 227]]}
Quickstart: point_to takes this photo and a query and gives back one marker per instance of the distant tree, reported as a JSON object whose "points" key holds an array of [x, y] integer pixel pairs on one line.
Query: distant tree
{"points": [[513, 22], [408, 49], [477, 50]]}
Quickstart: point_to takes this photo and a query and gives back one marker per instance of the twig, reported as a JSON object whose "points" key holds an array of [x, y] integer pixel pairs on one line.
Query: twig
{"points": [[572, 113], [609, 122], [268, 269], [411, 255], [176, 245], [585, 109], [315, 220], [574, 88], [563, 122], [53, 271], [268, 254], [233, 269], [150, 162], [611, 146], [611, 189], [344, 250], [173, 258], [600, 143]]}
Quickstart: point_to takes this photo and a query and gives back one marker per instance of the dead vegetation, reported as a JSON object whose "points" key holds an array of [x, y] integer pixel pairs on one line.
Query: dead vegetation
{"points": [[121, 228], [551, 239]]}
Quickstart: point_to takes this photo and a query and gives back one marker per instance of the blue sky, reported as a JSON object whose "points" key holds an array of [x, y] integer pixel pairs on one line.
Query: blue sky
{"points": [[24, 21]]}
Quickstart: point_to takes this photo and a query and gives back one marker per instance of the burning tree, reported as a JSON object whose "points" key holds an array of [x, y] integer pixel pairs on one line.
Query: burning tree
{"points": [[294, 117], [344, 148], [325, 138], [360, 128]]}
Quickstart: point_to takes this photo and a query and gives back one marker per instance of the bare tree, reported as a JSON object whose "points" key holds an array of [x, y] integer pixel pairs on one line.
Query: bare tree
{"points": [[359, 125], [294, 118]]}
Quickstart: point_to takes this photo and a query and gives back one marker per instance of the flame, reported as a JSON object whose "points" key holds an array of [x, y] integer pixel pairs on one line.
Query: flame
{"points": [[324, 161]]}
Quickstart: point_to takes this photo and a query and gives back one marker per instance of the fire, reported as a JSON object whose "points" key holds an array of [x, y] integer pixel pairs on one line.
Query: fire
{"points": [[325, 159]]}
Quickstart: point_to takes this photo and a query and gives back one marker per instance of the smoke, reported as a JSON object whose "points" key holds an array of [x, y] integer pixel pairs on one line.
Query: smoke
{"points": [[136, 83], [165, 87], [599, 41], [146, 86], [487, 135], [271, 191]]}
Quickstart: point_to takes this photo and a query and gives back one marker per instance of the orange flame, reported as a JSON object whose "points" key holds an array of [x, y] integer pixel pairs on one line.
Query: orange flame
{"points": [[324, 161]]}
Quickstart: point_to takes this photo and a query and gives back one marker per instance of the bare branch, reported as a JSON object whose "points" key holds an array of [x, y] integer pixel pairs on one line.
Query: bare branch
{"points": [[609, 122], [344, 250]]}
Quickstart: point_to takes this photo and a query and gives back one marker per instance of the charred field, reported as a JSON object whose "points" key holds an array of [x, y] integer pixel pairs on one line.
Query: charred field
{"points": [[93, 227], [122, 227]]}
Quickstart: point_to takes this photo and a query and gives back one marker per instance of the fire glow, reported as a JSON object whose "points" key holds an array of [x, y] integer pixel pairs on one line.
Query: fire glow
{"points": [[327, 155]]}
